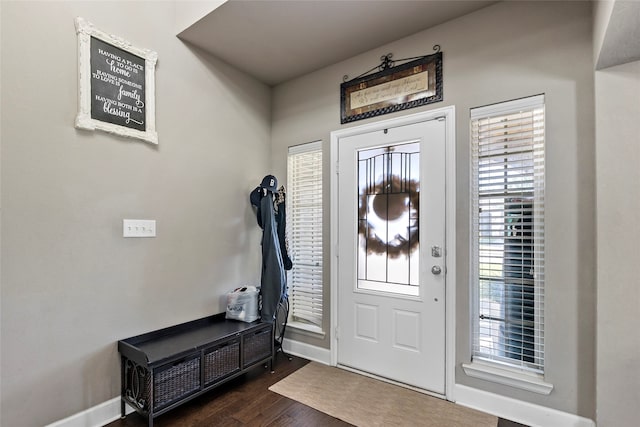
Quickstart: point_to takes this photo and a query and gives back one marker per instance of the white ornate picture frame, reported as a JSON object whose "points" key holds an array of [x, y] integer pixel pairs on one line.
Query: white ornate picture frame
{"points": [[116, 90]]}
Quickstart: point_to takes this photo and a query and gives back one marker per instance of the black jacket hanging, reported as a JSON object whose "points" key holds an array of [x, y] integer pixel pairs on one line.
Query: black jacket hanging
{"points": [[273, 279]]}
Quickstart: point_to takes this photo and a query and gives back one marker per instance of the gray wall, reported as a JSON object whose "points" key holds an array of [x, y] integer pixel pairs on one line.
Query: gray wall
{"points": [[71, 284], [618, 176], [506, 51]]}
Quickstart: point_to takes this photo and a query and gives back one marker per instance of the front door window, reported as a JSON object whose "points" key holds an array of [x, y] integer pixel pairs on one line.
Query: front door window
{"points": [[388, 218]]}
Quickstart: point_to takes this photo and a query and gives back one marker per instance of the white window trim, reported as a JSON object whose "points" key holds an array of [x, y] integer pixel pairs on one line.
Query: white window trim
{"points": [[303, 328], [508, 106], [491, 370], [306, 329]]}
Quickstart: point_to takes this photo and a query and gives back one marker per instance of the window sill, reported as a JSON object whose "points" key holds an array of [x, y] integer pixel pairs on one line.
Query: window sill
{"points": [[305, 329], [510, 377]]}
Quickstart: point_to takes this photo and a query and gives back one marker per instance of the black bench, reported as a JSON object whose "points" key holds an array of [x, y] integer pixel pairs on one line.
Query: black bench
{"points": [[162, 369]]}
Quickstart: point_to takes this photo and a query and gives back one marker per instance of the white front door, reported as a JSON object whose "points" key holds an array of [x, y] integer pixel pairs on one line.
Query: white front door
{"points": [[391, 249]]}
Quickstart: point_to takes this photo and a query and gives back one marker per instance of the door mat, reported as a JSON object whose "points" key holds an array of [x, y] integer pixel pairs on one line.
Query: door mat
{"points": [[364, 401]]}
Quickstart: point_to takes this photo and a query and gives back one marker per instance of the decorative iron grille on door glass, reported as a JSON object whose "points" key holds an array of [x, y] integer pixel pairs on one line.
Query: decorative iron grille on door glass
{"points": [[388, 217], [508, 232], [304, 218]]}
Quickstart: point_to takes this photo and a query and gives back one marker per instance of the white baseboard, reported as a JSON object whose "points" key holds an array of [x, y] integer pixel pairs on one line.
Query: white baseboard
{"points": [[109, 411], [97, 416], [517, 410], [501, 406], [310, 352]]}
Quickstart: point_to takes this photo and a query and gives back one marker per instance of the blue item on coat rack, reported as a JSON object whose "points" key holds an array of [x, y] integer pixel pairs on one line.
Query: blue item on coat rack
{"points": [[270, 183]]}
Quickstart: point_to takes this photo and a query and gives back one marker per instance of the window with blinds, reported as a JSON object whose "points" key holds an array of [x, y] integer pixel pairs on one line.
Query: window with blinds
{"points": [[507, 145], [304, 217]]}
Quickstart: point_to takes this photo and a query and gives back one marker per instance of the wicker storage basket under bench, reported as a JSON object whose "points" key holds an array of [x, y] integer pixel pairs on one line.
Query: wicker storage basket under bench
{"points": [[165, 368]]}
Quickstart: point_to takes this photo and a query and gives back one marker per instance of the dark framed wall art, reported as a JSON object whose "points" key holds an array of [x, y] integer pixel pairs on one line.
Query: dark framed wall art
{"points": [[395, 88]]}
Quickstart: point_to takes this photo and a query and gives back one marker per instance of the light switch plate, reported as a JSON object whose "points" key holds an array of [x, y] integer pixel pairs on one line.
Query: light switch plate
{"points": [[138, 228]]}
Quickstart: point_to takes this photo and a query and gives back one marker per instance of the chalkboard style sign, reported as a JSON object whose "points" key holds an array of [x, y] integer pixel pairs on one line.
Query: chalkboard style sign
{"points": [[116, 85]]}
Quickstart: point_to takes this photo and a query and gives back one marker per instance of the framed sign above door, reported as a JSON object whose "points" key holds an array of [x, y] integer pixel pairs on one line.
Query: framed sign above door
{"points": [[393, 88], [116, 90]]}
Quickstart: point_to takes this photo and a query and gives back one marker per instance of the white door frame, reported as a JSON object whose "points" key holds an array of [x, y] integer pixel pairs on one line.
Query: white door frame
{"points": [[448, 114]]}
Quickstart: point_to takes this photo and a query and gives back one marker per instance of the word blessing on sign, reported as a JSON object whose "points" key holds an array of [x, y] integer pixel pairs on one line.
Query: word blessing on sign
{"points": [[117, 86]]}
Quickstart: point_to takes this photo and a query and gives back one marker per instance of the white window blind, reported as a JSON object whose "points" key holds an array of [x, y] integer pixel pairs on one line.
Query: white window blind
{"points": [[304, 212], [507, 143]]}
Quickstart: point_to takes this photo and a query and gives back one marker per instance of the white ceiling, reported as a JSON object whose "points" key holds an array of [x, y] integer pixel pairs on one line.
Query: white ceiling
{"points": [[621, 42], [278, 40]]}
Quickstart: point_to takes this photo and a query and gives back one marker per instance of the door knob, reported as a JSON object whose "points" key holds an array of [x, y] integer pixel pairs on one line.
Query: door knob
{"points": [[436, 269]]}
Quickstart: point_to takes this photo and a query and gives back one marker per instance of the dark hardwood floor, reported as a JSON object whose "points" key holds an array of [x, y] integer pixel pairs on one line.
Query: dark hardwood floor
{"points": [[246, 401]]}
